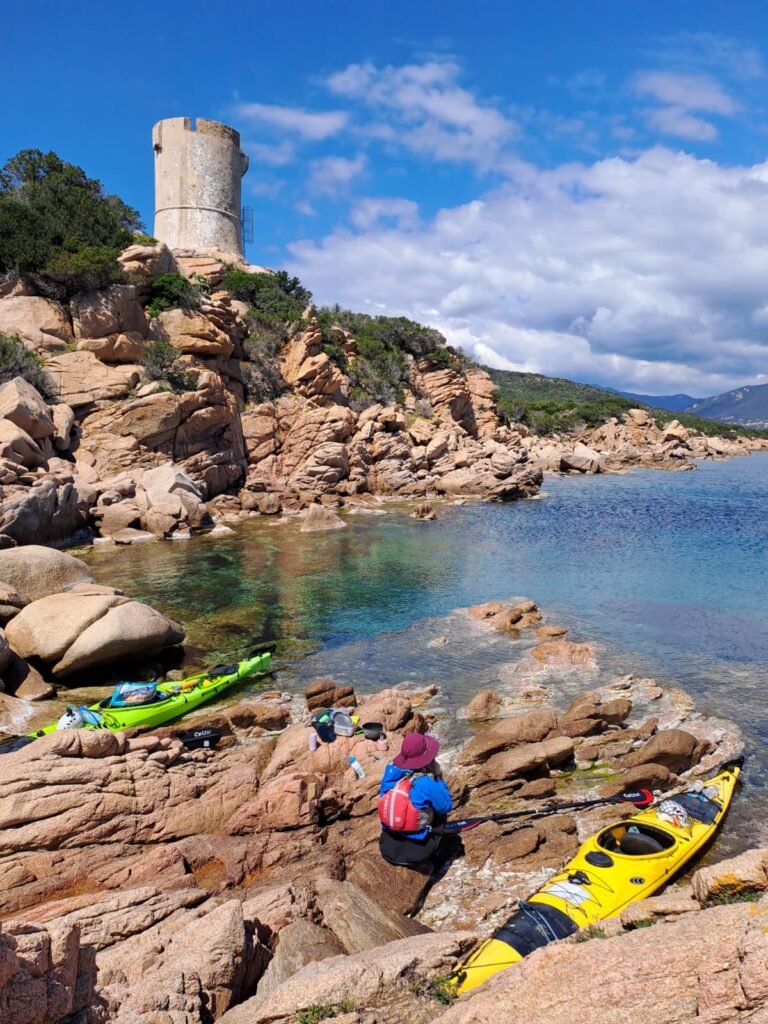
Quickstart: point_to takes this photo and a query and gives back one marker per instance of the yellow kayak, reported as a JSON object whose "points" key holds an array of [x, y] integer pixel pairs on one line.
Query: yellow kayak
{"points": [[625, 862]]}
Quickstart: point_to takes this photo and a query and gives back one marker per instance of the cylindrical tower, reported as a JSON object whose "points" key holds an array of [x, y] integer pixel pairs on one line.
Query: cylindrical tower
{"points": [[198, 168]]}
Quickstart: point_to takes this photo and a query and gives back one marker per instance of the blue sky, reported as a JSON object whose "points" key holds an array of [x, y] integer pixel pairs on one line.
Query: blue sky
{"points": [[574, 188]]}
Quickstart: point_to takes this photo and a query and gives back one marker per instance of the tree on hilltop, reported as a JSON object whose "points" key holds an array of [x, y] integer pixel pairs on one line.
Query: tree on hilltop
{"points": [[60, 227]]}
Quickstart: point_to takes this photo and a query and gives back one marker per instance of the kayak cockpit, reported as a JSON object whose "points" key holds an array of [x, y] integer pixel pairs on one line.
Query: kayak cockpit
{"points": [[635, 839]]}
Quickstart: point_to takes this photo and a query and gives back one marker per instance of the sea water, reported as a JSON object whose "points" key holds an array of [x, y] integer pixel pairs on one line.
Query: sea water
{"points": [[667, 572]]}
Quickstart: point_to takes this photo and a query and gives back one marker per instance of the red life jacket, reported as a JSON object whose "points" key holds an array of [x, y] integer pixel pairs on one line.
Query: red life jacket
{"points": [[396, 811]]}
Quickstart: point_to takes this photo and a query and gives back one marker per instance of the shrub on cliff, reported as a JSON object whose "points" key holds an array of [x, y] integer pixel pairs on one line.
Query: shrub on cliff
{"points": [[392, 332], [161, 362], [59, 226], [174, 291], [261, 370], [274, 298], [16, 360], [381, 370]]}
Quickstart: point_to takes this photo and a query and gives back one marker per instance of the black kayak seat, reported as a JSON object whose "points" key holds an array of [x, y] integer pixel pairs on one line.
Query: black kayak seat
{"points": [[223, 670], [635, 839], [637, 844]]}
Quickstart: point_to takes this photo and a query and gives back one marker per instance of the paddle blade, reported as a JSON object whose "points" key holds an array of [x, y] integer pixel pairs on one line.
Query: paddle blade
{"points": [[451, 827], [638, 797], [269, 647]]}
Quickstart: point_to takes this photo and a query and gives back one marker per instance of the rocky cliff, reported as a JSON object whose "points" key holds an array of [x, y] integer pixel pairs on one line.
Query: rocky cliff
{"points": [[128, 457]]}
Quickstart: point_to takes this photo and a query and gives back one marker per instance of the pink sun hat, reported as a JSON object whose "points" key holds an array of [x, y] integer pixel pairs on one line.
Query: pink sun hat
{"points": [[417, 751]]}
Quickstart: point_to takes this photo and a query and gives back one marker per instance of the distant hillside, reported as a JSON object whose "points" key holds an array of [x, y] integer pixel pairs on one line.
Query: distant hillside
{"points": [[674, 403], [748, 405], [548, 405]]}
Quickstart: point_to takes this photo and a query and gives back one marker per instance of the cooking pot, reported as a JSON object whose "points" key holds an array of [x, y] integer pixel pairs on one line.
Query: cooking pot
{"points": [[372, 730]]}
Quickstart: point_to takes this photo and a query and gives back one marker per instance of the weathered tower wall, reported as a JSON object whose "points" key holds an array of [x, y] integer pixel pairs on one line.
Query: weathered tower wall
{"points": [[197, 184]]}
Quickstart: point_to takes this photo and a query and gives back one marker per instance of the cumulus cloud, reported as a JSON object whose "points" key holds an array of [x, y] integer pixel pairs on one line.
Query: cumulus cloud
{"points": [[331, 173], [423, 108], [312, 125], [647, 274]]}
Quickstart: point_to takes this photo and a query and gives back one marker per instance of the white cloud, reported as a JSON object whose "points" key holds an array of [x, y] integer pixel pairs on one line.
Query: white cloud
{"points": [[372, 211], [312, 125], [647, 274], [423, 108], [329, 174], [677, 121], [305, 209], [689, 92], [279, 155]]}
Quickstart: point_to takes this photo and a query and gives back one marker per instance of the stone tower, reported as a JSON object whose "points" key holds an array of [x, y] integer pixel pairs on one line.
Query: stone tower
{"points": [[198, 168]]}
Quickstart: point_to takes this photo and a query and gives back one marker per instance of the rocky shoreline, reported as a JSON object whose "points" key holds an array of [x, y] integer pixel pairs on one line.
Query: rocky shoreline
{"points": [[147, 882], [121, 457]]}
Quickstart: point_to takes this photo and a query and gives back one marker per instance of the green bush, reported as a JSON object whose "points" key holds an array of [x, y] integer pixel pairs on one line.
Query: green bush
{"points": [[173, 291], [161, 362], [441, 358], [16, 360], [141, 238], [84, 269], [274, 298], [261, 371], [58, 226], [381, 370]]}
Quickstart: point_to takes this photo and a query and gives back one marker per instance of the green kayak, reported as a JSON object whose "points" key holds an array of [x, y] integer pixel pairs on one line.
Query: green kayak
{"points": [[153, 704]]}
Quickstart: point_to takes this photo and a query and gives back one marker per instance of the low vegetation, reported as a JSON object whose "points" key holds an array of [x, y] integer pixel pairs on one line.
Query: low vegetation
{"points": [[323, 1011], [380, 370], [553, 405], [16, 360], [589, 933], [275, 299], [277, 303], [59, 227], [727, 896], [261, 370], [161, 362], [174, 291]]}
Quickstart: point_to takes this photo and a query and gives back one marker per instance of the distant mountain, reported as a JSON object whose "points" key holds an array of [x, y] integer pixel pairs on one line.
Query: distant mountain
{"points": [[747, 405], [674, 403]]}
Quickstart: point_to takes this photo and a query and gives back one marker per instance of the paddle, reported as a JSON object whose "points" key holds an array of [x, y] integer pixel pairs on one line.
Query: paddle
{"points": [[638, 797], [268, 647]]}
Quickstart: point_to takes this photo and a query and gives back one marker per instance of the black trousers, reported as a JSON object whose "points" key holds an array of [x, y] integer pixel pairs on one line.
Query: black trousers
{"points": [[403, 852]]}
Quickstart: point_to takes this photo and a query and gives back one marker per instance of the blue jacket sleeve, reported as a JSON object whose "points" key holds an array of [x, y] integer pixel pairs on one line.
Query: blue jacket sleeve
{"points": [[428, 792]]}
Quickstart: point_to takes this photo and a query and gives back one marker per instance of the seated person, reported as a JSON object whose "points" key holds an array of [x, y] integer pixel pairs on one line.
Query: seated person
{"points": [[412, 797]]}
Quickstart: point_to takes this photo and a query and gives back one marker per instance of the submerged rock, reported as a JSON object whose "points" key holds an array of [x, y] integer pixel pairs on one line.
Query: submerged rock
{"points": [[319, 518]]}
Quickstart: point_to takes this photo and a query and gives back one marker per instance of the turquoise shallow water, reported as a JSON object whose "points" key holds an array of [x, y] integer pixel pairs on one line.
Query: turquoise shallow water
{"points": [[668, 572]]}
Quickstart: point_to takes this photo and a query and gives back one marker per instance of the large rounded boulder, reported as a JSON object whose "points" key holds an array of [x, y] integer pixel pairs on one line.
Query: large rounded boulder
{"points": [[77, 632], [34, 571]]}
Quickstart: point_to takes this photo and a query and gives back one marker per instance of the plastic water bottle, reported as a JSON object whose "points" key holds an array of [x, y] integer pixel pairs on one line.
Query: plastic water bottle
{"points": [[312, 740], [356, 766]]}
